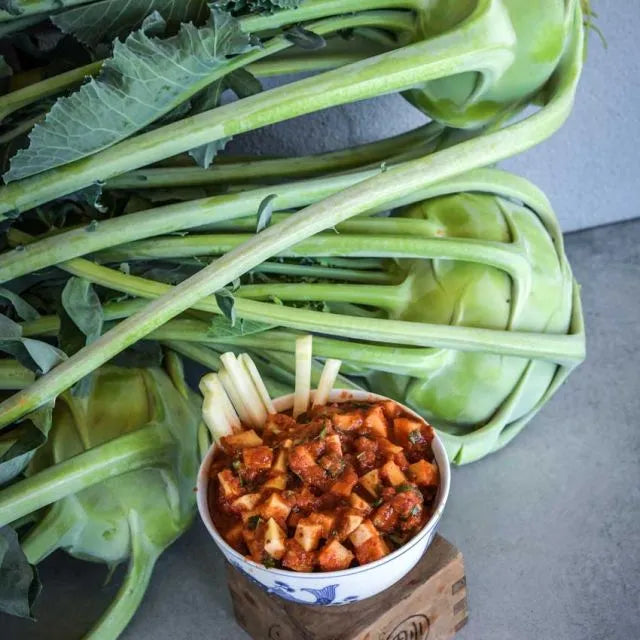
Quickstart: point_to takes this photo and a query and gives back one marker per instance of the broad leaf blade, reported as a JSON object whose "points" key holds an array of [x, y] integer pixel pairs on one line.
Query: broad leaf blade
{"points": [[19, 583], [83, 306], [24, 310], [146, 78], [104, 21]]}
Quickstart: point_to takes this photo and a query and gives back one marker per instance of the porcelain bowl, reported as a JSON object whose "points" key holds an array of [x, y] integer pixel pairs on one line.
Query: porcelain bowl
{"points": [[336, 587]]}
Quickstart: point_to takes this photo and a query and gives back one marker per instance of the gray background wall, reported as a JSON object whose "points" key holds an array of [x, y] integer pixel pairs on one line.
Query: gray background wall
{"points": [[589, 170]]}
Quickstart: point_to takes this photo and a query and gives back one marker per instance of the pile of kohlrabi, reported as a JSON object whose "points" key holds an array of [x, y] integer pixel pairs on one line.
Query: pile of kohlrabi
{"points": [[128, 238]]}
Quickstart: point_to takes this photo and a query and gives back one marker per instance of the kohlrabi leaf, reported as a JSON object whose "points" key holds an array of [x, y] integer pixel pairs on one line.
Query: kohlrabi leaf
{"points": [[265, 211], [146, 78], [19, 442], [19, 583], [257, 6], [5, 69], [243, 84], [221, 327], [36, 355], [227, 304], [104, 21], [83, 306], [24, 310]]}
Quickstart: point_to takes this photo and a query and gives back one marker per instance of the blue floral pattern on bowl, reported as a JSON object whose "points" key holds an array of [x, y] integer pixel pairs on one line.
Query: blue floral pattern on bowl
{"points": [[325, 596]]}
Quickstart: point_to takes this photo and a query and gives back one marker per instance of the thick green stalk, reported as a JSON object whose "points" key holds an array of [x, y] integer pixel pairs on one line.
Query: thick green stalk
{"points": [[50, 86], [289, 168], [144, 448], [556, 348], [388, 297], [403, 360], [143, 558], [379, 191], [361, 276], [52, 250], [46, 535], [483, 43]]}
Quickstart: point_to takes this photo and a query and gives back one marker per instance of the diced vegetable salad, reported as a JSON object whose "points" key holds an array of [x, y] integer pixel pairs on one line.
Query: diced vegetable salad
{"points": [[343, 485]]}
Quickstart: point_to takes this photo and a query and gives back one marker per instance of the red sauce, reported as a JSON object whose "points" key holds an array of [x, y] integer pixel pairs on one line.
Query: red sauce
{"points": [[344, 485]]}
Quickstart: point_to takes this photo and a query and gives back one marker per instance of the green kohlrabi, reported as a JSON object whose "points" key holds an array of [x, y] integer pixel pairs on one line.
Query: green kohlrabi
{"points": [[115, 479]]}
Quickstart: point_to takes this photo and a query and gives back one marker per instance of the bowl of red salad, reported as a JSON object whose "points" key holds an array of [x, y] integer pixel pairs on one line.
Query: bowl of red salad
{"points": [[331, 507]]}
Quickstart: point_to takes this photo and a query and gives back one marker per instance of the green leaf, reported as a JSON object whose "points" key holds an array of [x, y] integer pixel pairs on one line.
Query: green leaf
{"points": [[146, 78], [83, 306], [204, 154], [19, 583], [24, 310], [143, 354], [243, 83], [305, 39], [220, 327], [227, 304], [104, 21], [35, 355], [81, 320], [265, 211], [19, 442], [5, 69]]}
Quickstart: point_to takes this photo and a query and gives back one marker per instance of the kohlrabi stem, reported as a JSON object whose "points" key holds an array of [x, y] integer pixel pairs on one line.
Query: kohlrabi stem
{"points": [[495, 254], [46, 535], [392, 20], [555, 348], [379, 191], [481, 43], [15, 100], [288, 168], [361, 276], [175, 217], [404, 360], [143, 558], [14, 376], [388, 297], [143, 448]]}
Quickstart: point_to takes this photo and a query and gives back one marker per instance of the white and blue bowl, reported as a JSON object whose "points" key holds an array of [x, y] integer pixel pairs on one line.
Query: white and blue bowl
{"points": [[335, 587]]}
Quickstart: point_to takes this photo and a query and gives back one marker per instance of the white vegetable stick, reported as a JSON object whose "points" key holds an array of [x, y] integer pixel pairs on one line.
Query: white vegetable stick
{"points": [[236, 399], [327, 380], [214, 417], [211, 384], [243, 383], [304, 347], [250, 366]]}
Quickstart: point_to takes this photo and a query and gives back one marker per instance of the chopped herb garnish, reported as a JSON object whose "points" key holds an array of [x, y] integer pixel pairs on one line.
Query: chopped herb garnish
{"points": [[237, 465], [415, 511], [378, 502], [397, 540], [253, 522], [415, 437], [403, 488], [323, 433], [269, 561]]}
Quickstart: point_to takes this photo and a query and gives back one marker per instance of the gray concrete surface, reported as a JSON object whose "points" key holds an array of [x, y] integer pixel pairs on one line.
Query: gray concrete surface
{"points": [[550, 526], [589, 169]]}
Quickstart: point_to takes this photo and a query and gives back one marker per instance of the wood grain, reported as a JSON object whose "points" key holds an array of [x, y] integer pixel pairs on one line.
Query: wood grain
{"points": [[429, 603]]}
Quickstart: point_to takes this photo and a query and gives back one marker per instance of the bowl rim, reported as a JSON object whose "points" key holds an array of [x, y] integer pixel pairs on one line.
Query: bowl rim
{"points": [[337, 395]]}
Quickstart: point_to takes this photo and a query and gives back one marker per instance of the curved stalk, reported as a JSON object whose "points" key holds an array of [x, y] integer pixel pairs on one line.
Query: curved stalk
{"points": [[47, 535], [385, 188], [127, 600], [483, 44], [15, 100], [264, 170], [147, 447]]}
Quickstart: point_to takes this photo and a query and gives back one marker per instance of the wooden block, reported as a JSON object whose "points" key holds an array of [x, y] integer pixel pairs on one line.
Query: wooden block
{"points": [[429, 603]]}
